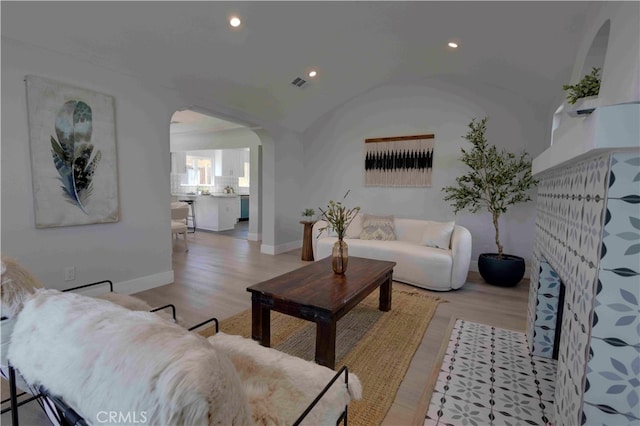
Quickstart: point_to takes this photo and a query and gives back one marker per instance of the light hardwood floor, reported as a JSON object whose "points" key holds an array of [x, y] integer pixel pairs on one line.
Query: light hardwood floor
{"points": [[212, 277]]}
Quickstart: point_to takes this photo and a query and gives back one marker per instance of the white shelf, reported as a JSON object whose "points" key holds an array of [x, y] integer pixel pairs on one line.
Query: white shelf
{"points": [[607, 128], [583, 106]]}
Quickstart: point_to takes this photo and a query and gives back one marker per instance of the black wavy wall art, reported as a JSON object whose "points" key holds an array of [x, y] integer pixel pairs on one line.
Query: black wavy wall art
{"points": [[399, 161]]}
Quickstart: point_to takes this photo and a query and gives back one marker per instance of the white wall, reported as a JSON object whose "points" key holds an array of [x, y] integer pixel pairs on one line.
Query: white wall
{"points": [[229, 139], [136, 251], [334, 153], [283, 179], [621, 70]]}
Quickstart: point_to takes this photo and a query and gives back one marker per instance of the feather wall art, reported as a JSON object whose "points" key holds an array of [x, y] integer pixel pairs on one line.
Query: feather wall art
{"points": [[399, 161], [73, 154]]}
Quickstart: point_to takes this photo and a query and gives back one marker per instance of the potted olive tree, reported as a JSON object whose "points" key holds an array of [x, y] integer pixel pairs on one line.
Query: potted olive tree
{"points": [[496, 181]]}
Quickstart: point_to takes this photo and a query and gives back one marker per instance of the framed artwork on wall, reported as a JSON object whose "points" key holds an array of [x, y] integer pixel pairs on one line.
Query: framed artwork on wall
{"points": [[399, 161], [73, 154]]}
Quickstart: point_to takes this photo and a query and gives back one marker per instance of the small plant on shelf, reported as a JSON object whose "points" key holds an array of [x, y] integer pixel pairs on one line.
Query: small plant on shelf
{"points": [[588, 86]]}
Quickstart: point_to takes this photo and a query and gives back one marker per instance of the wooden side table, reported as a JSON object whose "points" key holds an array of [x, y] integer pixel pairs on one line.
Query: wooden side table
{"points": [[307, 242]]}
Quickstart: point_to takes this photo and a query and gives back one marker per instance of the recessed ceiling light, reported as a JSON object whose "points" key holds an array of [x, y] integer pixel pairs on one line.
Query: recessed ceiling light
{"points": [[453, 44], [313, 73], [234, 21]]}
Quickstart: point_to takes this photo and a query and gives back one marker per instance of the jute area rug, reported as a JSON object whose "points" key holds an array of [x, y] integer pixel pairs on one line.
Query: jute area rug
{"points": [[377, 346]]}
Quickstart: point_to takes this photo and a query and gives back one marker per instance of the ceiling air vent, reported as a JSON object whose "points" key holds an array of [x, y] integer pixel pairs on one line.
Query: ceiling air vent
{"points": [[299, 82]]}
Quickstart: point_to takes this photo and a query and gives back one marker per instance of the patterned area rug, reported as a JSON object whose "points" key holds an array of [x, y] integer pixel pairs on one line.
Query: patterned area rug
{"points": [[377, 346], [488, 377]]}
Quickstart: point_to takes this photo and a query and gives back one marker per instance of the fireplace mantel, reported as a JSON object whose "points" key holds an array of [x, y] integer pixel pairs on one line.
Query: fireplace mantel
{"points": [[607, 128]]}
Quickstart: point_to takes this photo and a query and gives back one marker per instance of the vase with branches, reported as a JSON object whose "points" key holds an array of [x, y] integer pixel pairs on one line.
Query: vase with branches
{"points": [[338, 218], [497, 179]]}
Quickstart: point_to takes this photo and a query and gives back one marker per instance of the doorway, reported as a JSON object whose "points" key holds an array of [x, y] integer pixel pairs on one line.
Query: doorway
{"points": [[224, 178]]}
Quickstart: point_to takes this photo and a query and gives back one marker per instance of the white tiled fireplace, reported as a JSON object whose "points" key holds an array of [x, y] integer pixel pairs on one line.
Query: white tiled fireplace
{"points": [[588, 238]]}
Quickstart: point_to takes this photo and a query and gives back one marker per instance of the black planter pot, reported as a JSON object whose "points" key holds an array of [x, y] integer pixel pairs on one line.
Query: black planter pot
{"points": [[504, 272]]}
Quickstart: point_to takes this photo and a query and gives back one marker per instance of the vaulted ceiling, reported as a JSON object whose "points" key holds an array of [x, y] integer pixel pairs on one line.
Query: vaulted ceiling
{"points": [[527, 48]]}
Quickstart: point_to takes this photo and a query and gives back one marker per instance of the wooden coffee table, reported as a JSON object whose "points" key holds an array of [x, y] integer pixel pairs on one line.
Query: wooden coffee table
{"points": [[315, 293]]}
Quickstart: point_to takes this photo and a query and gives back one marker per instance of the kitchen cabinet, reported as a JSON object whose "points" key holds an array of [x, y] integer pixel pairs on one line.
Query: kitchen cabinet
{"points": [[229, 162], [217, 212]]}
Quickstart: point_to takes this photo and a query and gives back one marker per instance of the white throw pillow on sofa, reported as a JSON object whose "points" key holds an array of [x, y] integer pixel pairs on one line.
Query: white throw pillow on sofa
{"points": [[355, 228], [438, 234]]}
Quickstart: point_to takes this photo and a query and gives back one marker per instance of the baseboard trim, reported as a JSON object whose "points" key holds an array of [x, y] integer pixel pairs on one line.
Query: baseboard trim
{"points": [[254, 237], [280, 248], [144, 283]]}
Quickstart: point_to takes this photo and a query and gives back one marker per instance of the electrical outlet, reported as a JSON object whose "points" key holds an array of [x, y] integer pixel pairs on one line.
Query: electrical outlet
{"points": [[70, 273]]}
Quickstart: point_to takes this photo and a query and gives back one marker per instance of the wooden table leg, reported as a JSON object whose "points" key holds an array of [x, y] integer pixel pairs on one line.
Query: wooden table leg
{"points": [[326, 344], [260, 322], [385, 294]]}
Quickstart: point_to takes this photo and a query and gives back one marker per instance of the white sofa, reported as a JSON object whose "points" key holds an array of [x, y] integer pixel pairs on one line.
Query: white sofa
{"points": [[417, 264]]}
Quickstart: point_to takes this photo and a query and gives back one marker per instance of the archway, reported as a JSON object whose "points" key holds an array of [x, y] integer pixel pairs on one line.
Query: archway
{"points": [[217, 149]]}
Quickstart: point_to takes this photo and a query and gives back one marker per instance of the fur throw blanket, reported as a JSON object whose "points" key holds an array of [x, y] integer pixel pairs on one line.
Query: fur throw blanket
{"points": [[105, 360], [135, 304], [102, 358], [18, 284], [280, 387]]}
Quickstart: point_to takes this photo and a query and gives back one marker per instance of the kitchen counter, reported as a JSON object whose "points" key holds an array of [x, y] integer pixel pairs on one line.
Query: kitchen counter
{"points": [[221, 194], [217, 212]]}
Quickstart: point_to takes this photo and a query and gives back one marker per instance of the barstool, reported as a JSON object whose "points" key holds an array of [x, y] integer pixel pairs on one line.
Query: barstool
{"points": [[192, 215]]}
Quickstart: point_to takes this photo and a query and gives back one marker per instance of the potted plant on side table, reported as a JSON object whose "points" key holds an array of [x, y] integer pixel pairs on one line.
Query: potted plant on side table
{"points": [[496, 181], [307, 215]]}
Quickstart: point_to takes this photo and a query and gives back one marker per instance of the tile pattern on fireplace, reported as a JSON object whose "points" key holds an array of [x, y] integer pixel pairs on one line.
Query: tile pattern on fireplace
{"points": [[612, 388], [590, 235], [569, 220], [488, 377]]}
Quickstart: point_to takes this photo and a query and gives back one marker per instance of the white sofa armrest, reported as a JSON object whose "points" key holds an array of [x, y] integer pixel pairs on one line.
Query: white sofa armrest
{"points": [[461, 252], [316, 234]]}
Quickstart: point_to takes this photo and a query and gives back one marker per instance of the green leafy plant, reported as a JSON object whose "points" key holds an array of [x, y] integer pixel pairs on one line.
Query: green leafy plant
{"points": [[588, 86], [338, 216], [308, 212], [496, 181]]}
